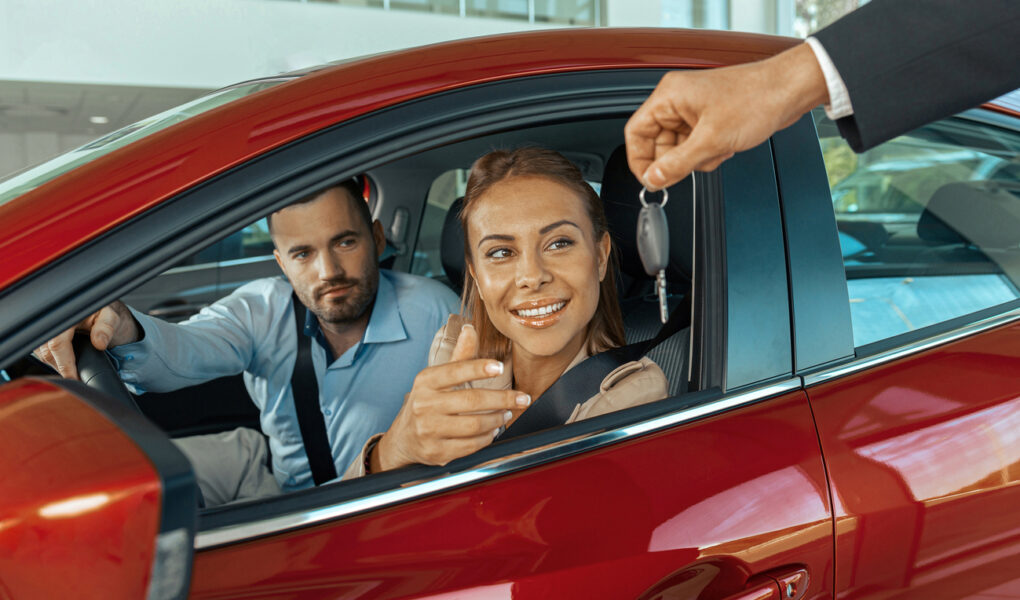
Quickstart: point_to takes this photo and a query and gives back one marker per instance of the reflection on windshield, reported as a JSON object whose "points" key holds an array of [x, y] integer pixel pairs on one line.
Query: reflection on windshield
{"points": [[26, 181]]}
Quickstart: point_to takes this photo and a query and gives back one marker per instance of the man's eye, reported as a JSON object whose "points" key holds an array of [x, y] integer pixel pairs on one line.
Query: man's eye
{"points": [[347, 243], [300, 255]]}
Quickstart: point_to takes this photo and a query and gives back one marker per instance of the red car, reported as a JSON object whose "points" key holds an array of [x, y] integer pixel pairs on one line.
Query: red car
{"points": [[846, 411]]}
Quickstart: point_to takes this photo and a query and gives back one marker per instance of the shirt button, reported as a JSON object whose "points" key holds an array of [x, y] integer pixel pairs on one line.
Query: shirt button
{"points": [[129, 357], [327, 412]]}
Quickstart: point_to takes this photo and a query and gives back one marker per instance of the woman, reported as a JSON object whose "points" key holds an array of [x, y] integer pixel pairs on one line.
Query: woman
{"points": [[541, 297]]}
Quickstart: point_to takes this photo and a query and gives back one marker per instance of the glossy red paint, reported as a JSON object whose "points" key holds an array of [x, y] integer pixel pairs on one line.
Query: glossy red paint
{"points": [[80, 205], [695, 511], [924, 462], [80, 499]]}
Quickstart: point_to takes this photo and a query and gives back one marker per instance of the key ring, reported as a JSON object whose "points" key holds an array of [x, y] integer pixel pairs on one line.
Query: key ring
{"points": [[665, 196]]}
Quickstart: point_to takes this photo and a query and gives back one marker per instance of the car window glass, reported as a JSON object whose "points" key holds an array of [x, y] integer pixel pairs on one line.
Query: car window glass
{"points": [[929, 224], [444, 190]]}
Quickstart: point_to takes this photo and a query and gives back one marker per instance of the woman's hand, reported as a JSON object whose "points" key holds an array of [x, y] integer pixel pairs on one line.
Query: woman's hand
{"points": [[438, 423]]}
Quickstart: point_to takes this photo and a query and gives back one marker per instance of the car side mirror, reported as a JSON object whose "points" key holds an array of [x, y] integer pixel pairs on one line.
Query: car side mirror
{"points": [[94, 500]]}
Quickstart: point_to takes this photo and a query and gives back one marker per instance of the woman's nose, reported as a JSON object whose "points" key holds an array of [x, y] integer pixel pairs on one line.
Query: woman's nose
{"points": [[531, 271]]}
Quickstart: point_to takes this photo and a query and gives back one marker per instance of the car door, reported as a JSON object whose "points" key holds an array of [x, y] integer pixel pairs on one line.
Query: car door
{"points": [[912, 374], [710, 494], [717, 492]]}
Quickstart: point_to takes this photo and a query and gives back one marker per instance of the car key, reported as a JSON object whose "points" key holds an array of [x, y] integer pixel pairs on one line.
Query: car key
{"points": [[653, 245]]}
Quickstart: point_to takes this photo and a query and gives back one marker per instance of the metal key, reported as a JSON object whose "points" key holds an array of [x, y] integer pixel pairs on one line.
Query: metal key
{"points": [[653, 245]]}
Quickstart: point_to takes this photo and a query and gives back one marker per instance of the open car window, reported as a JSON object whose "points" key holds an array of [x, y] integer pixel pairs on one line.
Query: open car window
{"points": [[727, 328]]}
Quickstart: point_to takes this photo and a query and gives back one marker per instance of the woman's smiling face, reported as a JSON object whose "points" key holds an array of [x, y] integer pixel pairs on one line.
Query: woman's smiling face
{"points": [[536, 263]]}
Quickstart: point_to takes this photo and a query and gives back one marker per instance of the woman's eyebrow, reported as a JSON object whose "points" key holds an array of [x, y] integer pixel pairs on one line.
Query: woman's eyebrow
{"points": [[552, 226], [496, 236]]}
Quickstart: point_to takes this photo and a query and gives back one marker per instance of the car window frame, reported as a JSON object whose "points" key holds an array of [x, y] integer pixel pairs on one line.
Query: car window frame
{"points": [[823, 332], [115, 262]]}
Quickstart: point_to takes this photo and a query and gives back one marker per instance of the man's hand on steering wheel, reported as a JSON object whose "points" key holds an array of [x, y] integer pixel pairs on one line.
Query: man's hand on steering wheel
{"points": [[109, 326]]}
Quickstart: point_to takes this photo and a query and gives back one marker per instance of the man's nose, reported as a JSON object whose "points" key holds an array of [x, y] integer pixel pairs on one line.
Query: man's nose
{"points": [[329, 266], [531, 271]]}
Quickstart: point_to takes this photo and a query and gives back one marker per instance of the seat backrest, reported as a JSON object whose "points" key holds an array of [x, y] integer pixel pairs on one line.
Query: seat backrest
{"points": [[451, 246], [640, 306]]}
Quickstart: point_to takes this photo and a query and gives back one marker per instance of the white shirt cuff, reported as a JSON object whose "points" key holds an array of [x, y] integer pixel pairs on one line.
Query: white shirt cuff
{"points": [[839, 98]]}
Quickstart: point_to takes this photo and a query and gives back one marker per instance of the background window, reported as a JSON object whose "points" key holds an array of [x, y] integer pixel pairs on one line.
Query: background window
{"points": [[929, 223]]}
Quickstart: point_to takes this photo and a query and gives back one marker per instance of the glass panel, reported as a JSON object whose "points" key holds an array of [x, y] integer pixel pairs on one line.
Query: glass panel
{"points": [[451, 7], [706, 14], [442, 193], [929, 223], [567, 12], [501, 9]]}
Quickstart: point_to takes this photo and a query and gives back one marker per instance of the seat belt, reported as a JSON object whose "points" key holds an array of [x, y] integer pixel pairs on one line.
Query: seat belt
{"points": [[306, 403], [584, 381]]}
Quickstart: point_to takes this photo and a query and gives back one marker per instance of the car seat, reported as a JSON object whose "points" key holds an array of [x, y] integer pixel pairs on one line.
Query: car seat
{"points": [[638, 301]]}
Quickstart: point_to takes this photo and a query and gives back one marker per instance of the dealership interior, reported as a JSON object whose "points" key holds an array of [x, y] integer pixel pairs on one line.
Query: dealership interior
{"points": [[102, 65]]}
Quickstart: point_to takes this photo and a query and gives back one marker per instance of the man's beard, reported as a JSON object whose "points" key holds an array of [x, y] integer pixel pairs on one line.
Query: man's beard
{"points": [[347, 308]]}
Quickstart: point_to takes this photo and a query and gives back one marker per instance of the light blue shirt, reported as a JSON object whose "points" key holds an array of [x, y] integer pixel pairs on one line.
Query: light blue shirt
{"points": [[252, 330]]}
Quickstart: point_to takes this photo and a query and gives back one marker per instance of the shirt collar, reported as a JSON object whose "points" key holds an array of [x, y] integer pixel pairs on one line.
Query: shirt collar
{"points": [[385, 324]]}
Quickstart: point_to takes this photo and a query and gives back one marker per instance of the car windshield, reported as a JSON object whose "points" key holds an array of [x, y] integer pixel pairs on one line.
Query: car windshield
{"points": [[25, 181]]}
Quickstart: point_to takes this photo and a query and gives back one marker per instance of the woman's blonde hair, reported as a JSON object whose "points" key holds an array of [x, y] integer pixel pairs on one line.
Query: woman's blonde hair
{"points": [[605, 330]]}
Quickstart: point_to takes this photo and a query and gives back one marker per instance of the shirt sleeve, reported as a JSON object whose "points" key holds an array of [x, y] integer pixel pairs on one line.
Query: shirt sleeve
{"points": [[218, 341], [839, 105]]}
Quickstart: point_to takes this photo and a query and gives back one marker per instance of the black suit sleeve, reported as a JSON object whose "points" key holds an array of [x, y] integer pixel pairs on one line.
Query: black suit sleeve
{"points": [[907, 63]]}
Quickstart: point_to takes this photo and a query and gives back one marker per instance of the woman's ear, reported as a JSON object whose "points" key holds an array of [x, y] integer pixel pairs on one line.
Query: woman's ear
{"points": [[605, 246]]}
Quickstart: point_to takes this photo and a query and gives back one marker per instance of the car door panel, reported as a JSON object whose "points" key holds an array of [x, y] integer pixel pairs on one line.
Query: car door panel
{"points": [[734, 495], [924, 459]]}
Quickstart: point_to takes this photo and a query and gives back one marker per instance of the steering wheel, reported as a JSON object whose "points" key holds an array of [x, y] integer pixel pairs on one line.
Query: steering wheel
{"points": [[97, 371]]}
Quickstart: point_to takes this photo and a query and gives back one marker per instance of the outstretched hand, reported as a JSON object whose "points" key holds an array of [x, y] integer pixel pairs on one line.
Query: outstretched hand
{"points": [[440, 422], [695, 120], [109, 326]]}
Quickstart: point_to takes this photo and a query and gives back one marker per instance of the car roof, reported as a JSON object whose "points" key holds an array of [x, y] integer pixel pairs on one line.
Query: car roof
{"points": [[77, 206]]}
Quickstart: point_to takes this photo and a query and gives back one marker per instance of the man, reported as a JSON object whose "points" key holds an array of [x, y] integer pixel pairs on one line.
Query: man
{"points": [[371, 331], [882, 70]]}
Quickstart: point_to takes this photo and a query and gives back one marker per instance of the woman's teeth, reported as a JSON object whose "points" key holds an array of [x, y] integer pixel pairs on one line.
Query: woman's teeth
{"points": [[541, 311]]}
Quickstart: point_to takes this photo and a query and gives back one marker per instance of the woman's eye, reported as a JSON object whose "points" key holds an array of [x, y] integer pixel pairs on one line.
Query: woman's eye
{"points": [[498, 253], [561, 243]]}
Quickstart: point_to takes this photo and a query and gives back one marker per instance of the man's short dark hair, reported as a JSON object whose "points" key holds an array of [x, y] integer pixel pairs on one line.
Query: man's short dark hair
{"points": [[353, 187]]}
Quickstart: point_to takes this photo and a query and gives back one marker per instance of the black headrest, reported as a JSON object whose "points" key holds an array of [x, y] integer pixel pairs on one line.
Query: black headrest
{"points": [[619, 193], [451, 245], [983, 213]]}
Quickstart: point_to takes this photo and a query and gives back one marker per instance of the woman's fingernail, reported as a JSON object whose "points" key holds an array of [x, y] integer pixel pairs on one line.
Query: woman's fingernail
{"points": [[507, 416], [494, 368], [468, 326], [495, 432], [523, 400]]}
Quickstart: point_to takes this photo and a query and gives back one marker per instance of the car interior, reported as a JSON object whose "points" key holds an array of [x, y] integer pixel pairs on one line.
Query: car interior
{"points": [[417, 198]]}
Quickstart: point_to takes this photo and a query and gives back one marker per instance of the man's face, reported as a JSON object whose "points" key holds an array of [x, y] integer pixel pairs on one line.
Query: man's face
{"points": [[329, 255]]}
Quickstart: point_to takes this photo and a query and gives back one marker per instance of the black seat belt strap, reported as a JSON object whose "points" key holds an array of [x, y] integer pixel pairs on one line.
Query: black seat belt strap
{"points": [[306, 403], [583, 381]]}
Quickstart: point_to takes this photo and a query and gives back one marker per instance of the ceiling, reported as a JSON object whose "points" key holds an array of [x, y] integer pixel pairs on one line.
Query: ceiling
{"points": [[76, 109]]}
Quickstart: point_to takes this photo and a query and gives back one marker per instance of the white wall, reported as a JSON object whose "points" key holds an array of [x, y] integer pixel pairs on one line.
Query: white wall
{"points": [[628, 13], [204, 43]]}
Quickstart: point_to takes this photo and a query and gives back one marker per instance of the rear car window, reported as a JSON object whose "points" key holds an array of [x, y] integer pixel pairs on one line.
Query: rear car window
{"points": [[929, 224]]}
